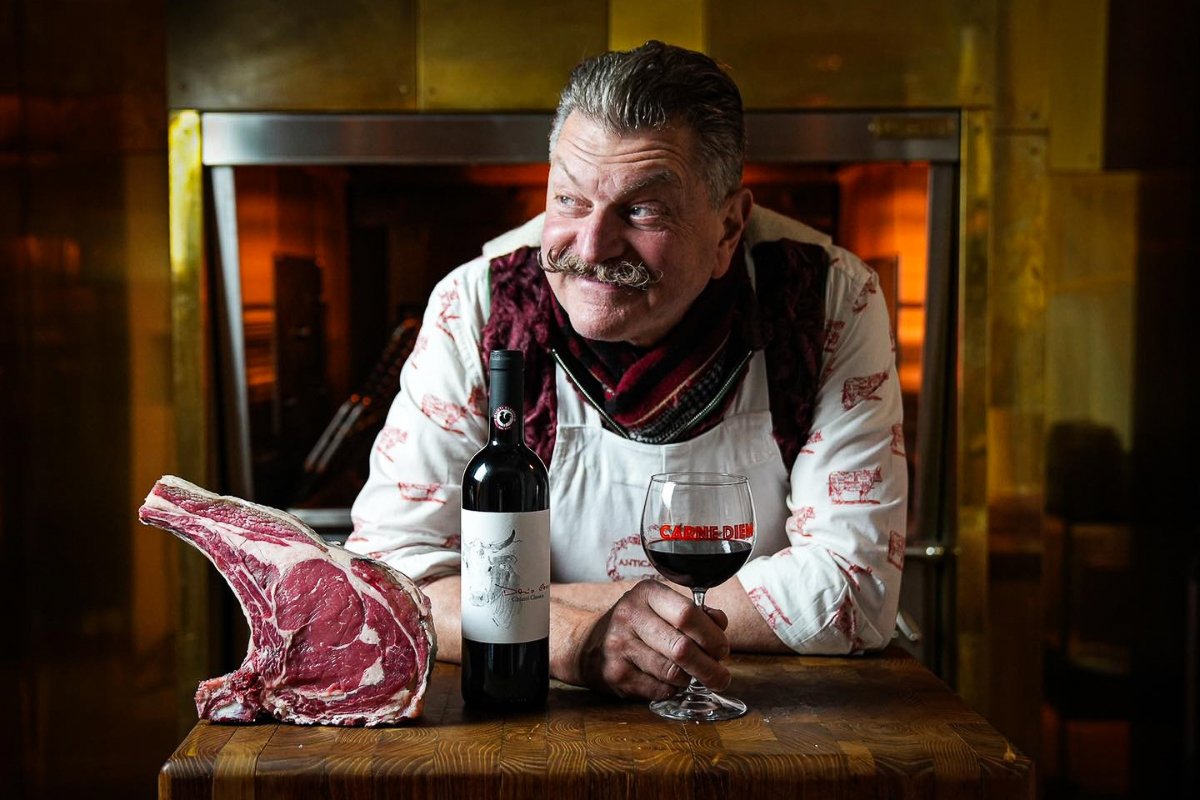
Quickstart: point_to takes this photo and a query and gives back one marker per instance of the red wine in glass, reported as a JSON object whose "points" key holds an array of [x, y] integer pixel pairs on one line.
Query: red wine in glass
{"points": [[698, 531], [700, 563]]}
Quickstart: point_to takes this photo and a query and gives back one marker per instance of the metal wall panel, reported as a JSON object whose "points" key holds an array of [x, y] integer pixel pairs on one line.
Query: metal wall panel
{"points": [[826, 53], [504, 56], [332, 55]]}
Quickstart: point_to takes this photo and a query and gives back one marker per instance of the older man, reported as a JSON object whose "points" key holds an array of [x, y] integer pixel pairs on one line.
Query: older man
{"points": [[666, 326]]}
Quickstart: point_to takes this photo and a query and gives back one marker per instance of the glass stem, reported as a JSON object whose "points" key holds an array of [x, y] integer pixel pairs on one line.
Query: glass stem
{"points": [[695, 687]]}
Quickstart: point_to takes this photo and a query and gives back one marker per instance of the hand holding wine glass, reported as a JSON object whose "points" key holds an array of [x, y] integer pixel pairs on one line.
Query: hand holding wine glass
{"points": [[698, 531]]}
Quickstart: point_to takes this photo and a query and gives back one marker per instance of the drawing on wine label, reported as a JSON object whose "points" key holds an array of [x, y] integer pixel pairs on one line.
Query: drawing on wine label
{"points": [[493, 577]]}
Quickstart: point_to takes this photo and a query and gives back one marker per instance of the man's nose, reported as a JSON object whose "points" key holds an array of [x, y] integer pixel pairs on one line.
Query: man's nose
{"points": [[598, 237]]}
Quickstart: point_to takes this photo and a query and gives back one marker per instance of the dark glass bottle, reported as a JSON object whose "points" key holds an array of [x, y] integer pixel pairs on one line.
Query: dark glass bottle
{"points": [[506, 555]]}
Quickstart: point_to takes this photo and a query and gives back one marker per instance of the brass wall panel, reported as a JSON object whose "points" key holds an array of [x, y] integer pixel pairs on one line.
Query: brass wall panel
{"points": [[633, 22], [477, 54], [1017, 308], [280, 55], [975, 256], [827, 53], [190, 356], [1023, 49], [1092, 249], [1079, 30]]}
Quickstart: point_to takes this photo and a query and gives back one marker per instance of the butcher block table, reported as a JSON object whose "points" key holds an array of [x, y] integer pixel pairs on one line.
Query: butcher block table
{"points": [[876, 726]]}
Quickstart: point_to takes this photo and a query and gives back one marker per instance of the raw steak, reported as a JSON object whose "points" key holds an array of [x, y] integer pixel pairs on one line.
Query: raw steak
{"points": [[335, 638]]}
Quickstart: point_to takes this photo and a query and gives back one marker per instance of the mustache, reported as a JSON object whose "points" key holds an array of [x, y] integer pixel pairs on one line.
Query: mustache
{"points": [[629, 274]]}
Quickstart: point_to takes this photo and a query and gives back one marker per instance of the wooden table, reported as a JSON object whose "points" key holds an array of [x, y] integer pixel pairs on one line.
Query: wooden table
{"points": [[877, 726]]}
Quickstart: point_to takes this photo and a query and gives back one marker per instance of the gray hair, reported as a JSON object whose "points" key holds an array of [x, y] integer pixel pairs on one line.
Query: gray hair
{"points": [[658, 85]]}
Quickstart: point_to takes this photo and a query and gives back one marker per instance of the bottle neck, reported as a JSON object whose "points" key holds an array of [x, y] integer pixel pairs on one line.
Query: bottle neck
{"points": [[506, 406]]}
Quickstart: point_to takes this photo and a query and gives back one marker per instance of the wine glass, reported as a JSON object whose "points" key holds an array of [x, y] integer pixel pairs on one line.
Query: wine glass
{"points": [[697, 531]]}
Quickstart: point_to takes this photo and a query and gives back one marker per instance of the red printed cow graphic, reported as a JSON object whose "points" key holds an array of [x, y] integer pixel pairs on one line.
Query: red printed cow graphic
{"points": [[845, 621], [869, 288], [421, 492], [477, 401], [447, 298], [833, 334], [796, 522], [444, 414], [389, 437], [849, 568], [854, 486], [855, 390], [813, 438], [896, 549], [768, 607], [419, 347], [898, 439]]}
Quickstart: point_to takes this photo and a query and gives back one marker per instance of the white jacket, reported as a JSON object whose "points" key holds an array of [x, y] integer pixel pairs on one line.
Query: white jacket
{"points": [[826, 568]]}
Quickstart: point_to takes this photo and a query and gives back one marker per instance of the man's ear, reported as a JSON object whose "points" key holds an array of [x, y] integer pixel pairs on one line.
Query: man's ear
{"points": [[735, 213]]}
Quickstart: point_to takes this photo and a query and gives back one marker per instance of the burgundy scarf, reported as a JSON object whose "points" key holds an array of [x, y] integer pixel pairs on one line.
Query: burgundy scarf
{"points": [[665, 393], [654, 392]]}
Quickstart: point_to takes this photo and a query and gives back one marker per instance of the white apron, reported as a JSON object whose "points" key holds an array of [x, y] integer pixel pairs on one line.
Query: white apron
{"points": [[604, 488]]}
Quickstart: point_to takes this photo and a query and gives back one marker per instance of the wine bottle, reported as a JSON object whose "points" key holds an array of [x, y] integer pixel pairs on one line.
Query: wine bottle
{"points": [[506, 555]]}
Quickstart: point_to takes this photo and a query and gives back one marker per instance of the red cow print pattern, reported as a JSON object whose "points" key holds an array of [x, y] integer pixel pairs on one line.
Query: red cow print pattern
{"points": [[849, 568], [856, 390], [864, 297], [421, 492], [854, 486], [814, 438], [796, 522], [448, 299], [898, 439], [833, 334], [452, 542], [389, 437], [768, 607], [419, 347], [896, 549], [444, 414], [477, 401], [845, 621]]}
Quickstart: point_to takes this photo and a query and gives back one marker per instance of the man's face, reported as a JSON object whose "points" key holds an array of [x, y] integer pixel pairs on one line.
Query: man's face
{"points": [[637, 197]]}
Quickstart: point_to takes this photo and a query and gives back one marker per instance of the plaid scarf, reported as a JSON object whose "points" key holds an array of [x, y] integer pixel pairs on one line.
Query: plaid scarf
{"points": [[677, 388]]}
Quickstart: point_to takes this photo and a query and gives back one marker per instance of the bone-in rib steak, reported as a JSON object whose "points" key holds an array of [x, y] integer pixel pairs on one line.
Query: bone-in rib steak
{"points": [[335, 638]]}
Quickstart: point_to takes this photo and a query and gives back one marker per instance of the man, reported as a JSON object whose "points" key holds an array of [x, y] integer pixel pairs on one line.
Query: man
{"points": [[666, 327]]}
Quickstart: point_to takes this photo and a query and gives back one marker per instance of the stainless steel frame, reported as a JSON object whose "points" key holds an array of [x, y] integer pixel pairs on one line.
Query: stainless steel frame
{"points": [[244, 139], [834, 137]]}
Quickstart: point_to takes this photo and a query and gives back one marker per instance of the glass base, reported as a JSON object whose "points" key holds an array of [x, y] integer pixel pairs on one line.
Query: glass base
{"points": [[699, 706]]}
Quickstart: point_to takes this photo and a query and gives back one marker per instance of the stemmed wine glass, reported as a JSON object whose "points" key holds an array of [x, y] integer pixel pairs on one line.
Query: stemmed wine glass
{"points": [[697, 531]]}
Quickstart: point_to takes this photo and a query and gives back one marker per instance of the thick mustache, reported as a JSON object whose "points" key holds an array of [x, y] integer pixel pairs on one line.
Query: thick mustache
{"points": [[624, 273]]}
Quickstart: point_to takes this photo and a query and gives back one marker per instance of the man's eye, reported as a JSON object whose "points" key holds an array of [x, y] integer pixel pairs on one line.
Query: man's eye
{"points": [[565, 201], [642, 212]]}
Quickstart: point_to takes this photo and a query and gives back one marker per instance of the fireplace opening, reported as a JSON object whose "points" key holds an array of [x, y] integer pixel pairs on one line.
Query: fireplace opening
{"points": [[337, 263]]}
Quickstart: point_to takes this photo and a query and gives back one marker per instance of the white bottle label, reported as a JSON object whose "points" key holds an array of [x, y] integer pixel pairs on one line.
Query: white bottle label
{"points": [[505, 576]]}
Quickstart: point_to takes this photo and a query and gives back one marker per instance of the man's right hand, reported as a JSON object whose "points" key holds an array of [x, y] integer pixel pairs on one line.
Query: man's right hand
{"points": [[650, 642]]}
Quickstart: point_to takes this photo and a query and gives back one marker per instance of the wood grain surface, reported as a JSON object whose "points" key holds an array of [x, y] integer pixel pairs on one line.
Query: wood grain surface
{"points": [[819, 727]]}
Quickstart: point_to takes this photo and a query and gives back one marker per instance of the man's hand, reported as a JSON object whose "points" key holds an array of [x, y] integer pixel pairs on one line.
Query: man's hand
{"points": [[650, 642]]}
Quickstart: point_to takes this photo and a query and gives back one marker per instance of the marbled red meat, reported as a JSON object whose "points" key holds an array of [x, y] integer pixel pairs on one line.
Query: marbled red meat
{"points": [[335, 638]]}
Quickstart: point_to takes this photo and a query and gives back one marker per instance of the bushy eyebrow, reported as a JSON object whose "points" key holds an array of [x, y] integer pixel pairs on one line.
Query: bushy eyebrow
{"points": [[663, 177]]}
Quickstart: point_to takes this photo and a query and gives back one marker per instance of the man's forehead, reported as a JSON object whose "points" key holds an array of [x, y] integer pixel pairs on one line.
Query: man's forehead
{"points": [[634, 160]]}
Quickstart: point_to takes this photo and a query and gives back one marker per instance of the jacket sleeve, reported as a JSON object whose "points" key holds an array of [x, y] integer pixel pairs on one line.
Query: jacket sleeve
{"points": [[407, 513], [835, 588]]}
